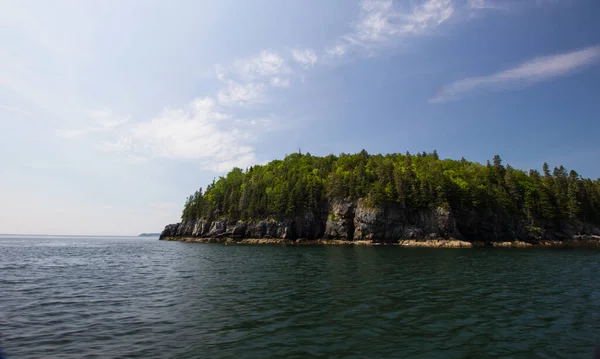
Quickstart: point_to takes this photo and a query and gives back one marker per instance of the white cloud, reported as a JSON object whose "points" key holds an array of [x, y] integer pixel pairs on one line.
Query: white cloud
{"points": [[279, 82], [530, 72], [383, 21], [220, 141], [431, 14], [375, 22], [379, 21], [246, 80], [305, 57], [267, 63], [198, 131], [205, 130], [236, 94], [337, 50]]}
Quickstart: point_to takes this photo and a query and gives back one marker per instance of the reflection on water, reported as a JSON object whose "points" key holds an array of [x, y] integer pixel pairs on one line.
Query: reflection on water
{"points": [[135, 297]]}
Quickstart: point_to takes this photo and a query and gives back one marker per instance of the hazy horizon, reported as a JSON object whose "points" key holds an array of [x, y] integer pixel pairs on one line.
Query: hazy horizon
{"points": [[69, 235]]}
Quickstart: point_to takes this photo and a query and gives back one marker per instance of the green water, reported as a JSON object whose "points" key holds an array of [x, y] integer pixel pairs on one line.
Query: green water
{"points": [[135, 297]]}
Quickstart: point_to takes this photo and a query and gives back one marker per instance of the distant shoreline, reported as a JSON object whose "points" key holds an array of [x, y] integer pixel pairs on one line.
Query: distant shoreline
{"points": [[585, 242], [67, 235]]}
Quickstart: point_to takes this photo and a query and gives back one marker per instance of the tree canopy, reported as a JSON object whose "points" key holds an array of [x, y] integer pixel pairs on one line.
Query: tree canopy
{"points": [[302, 182]]}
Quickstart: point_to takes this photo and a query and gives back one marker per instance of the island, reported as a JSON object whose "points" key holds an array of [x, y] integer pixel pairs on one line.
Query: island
{"points": [[399, 199], [149, 235]]}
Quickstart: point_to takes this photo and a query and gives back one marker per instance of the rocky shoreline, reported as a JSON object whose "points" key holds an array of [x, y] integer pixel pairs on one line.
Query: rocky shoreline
{"points": [[576, 242], [361, 223]]}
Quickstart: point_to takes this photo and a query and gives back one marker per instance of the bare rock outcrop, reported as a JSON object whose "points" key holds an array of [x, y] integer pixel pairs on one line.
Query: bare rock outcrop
{"points": [[361, 221]]}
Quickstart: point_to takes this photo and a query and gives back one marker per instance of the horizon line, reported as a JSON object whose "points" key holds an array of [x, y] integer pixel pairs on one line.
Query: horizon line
{"points": [[71, 235]]}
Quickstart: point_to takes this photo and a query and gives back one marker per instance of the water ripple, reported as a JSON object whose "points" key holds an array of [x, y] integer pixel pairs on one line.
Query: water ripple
{"points": [[141, 298]]}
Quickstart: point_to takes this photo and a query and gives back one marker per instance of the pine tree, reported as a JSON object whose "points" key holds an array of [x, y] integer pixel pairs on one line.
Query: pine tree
{"points": [[301, 183]]}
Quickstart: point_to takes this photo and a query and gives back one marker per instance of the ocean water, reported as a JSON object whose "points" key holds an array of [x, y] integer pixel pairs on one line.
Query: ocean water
{"points": [[77, 297]]}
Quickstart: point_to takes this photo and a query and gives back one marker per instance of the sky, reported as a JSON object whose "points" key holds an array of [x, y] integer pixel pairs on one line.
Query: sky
{"points": [[113, 112]]}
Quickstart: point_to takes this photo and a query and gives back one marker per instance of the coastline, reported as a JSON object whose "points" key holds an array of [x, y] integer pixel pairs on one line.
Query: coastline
{"points": [[577, 242]]}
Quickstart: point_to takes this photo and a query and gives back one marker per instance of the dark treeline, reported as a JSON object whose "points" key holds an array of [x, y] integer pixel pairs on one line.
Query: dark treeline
{"points": [[301, 182]]}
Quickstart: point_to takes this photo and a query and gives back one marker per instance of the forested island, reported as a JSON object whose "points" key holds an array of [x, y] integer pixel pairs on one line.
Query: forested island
{"points": [[408, 199], [149, 235]]}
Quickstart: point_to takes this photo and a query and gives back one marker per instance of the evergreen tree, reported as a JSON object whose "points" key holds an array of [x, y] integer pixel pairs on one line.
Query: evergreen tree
{"points": [[303, 182]]}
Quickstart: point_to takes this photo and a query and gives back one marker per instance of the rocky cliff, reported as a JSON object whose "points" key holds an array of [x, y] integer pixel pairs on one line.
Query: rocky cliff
{"points": [[360, 221]]}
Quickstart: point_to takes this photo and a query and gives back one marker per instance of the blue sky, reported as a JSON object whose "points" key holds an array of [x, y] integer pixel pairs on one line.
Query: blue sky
{"points": [[112, 112]]}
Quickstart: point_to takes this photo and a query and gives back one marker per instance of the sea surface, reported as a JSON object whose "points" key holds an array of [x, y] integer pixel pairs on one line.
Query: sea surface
{"points": [[127, 297]]}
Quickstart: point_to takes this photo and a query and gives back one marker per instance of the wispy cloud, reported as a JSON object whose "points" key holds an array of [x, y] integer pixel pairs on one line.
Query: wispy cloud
{"points": [[14, 109], [210, 130], [240, 95], [429, 15], [246, 81], [199, 131], [383, 22], [376, 22], [305, 57], [337, 50], [380, 21], [267, 63], [531, 72]]}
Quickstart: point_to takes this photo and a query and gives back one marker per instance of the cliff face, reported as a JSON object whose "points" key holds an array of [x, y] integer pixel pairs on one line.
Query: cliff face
{"points": [[360, 221]]}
